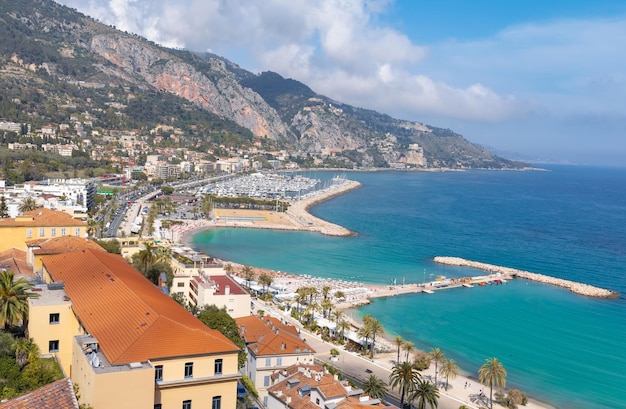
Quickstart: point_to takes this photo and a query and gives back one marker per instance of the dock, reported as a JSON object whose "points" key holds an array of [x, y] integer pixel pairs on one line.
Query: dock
{"points": [[507, 273]]}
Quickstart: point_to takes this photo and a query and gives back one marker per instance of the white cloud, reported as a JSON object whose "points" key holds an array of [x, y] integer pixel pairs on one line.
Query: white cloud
{"points": [[558, 69]]}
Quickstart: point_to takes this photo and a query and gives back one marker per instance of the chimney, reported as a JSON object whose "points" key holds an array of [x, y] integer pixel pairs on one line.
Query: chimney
{"points": [[227, 290]]}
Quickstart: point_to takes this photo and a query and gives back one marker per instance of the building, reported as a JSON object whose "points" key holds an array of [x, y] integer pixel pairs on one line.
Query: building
{"points": [[271, 346], [55, 395], [123, 342], [38, 224], [38, 248], [201, 281], [311, 386]]}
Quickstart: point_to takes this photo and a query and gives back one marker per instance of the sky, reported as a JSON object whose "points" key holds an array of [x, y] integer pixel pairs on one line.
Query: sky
{"points": [[542, 79]]}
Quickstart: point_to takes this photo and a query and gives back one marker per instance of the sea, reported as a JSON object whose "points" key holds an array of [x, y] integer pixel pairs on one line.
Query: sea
{"points": [[564, 221]]}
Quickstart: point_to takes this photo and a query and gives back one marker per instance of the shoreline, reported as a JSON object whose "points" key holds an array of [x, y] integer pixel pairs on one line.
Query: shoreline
{"points": [[304, 221]]}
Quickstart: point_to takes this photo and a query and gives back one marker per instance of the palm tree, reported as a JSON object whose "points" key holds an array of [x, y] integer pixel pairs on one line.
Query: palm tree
{"points": [[342, 326], [326, 305], [437, 356], [325, 290], [376, 328], [336, 314], [266, 281], [28, 204], [163, 255], [405, 377], [14, 296], [146, 258], [339, 294], [248, 274], [492, 372], [375, 387], [26, 351], [408, 347], [449, 369], [398, 341], [425, 395]]}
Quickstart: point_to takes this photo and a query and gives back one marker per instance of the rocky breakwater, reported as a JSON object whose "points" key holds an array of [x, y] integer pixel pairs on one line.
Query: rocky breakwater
{"points": [[577, 288]]}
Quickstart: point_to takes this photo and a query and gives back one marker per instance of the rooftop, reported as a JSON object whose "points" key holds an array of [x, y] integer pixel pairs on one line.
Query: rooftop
{"points": [[269, 336], [55, 395], [41, 218], [131, 318]]}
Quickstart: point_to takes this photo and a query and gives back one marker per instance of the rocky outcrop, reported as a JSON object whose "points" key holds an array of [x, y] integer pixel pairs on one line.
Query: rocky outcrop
{"points": [[221, 94], [577, 288]]}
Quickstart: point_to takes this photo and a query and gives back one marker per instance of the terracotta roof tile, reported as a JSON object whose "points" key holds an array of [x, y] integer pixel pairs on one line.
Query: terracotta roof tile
{"points": [[323, 382], [269, 336], [42, 218], [15, 259], [55, 395], [222, 281], [131, 318], [62, 244]]}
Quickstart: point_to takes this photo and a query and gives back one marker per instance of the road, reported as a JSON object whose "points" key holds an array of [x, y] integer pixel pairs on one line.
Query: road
{"points": [[353, 365]]}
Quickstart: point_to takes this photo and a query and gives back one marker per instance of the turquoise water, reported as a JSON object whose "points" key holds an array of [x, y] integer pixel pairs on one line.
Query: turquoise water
{"points": [[568, 222]]}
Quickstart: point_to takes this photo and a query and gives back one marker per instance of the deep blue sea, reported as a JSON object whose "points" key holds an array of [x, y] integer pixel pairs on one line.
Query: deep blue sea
{"points": [[567, 222]]}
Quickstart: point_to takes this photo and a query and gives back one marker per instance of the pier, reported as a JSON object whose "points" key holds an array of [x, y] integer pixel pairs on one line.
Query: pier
{"points": [[576, 288]]}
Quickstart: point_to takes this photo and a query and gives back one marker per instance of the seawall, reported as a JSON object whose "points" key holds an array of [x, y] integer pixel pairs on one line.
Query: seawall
{"points": [[577, 288]]}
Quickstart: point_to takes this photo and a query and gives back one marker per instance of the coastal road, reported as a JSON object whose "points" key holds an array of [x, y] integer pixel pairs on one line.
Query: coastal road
{"points": [[351, 364]]}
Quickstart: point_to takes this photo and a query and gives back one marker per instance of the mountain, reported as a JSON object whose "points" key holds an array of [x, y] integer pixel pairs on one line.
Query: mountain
{"points": [[56, 62]]}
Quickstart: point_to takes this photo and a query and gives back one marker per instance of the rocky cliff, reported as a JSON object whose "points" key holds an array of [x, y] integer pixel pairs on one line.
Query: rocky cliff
{"points": [[64, 47]]}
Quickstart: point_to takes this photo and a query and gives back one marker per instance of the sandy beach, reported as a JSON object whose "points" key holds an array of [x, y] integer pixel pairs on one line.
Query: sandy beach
{"points": [[464, 389]]}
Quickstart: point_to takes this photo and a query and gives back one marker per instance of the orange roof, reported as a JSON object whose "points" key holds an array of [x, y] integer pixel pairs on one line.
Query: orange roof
{"points": [[131, 318], [42, 218], [55, 395], [269, 336], [326, 384], [15, 259], [62, 244]]}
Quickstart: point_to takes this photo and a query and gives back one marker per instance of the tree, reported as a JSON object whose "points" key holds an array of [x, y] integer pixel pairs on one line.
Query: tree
{"points": [[206, 206], [425, 395], [375, 387], [449, 369], [28, 204], [404, 376], [4, 209], [421, 360], [248, 274], [375, 329], [26, 351], [398, 342], [408, 347], [146, 258], [266, 281], [111, 246], [437, 356], [218, 318], [342, 326], [14, 296], [492, 373]]}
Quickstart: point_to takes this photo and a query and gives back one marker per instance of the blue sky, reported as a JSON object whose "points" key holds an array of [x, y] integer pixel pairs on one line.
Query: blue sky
{"points": [[546, 79]]}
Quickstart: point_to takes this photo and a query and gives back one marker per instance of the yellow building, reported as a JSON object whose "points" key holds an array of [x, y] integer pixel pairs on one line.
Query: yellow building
{"points": [[125, 343], [38, 224]]}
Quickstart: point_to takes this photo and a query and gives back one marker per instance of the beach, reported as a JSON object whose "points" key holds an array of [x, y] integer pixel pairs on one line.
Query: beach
{"points": [[463, 389]]}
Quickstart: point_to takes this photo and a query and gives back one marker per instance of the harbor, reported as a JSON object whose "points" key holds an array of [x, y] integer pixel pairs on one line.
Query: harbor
{"points": [[576, 288]]}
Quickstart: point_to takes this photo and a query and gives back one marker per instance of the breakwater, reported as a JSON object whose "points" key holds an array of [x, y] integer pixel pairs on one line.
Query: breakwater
{"points": [[577, 288]]}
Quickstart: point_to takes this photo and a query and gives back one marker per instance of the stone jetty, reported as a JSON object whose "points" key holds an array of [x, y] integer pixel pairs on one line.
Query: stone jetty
{"points": [[577, 288]]}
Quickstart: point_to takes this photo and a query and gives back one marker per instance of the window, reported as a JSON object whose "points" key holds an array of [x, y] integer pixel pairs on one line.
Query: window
{"points": [[53, 346], [77, 232], [189, 370], [187, 404], [268, 361], [181, 284], [42, 232], [54, 318], [218, 366], [53, 231], [266, 381], [63, 231], [158, 373], [29, 233], [279, 361], [158, 406], [317, 401], [217, 402]]}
